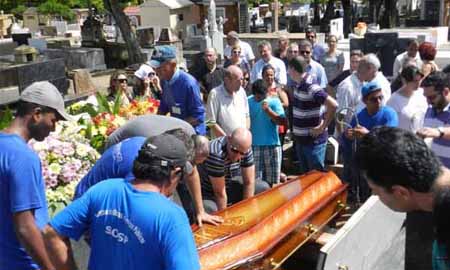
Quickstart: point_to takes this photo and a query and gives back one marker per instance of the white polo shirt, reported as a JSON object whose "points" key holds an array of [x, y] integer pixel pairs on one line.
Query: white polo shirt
{"points": [[228, 111]]}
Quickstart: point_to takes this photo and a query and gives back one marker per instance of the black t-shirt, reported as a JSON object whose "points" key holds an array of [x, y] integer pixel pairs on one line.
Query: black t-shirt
{"points": [[212, 80]]}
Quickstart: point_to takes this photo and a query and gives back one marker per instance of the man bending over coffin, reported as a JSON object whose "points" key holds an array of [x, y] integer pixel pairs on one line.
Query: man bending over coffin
{"points": [[117, 160], [133, 224], [228, 174]]}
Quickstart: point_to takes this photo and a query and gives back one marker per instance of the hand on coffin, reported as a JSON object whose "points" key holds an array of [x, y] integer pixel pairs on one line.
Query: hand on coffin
{"points": [[207, 218]]}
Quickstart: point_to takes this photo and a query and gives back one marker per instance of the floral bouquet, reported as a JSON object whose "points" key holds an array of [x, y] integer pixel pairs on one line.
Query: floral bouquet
{"points": [[140, 107], [100, 127], [66, 157]]}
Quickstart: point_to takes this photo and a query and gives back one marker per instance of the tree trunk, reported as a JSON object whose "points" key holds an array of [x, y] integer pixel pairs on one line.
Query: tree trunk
{"points": [[390, 14], [327, 17], [348, 22], [316, 20], [134, 50]]}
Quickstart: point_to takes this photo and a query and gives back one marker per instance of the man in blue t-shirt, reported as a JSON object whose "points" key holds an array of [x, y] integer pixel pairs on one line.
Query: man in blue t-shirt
{"points": [[266, 113], [23, 207], [133, 225], [373, 115], [181, 92], [116, 162]]}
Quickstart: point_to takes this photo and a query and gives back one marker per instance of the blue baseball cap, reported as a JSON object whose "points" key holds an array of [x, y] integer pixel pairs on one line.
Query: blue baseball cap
{"points": [[162, 54], [369, 88]]}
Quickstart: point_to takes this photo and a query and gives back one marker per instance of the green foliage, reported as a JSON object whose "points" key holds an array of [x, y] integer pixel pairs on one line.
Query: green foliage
{"points": [[52, 7], [6, 118], [18, 11], [116, 105], [103, 104]]}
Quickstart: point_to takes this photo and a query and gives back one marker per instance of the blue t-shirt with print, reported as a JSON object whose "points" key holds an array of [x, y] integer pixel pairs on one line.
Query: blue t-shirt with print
{"points": [[264, 130], [116, 162], [22, 188], [130, 228]]}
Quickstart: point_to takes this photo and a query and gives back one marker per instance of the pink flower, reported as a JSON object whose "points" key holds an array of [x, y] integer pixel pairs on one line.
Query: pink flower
{"points": [[68, 150], [52, 183]]}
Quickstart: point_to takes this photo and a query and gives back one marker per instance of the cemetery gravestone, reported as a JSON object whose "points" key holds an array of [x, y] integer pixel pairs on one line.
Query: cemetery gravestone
{"points": [[39, 43], [21, 38], [146, 36], [82, 81], [79, 58], [25, 54], [23, 75], [50, 31]]}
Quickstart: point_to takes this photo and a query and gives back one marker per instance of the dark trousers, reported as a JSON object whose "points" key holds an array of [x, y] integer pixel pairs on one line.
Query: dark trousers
{"points": [[187, 201]]}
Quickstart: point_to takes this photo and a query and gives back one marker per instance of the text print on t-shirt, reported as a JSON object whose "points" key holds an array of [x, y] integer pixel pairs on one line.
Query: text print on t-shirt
{"points": [[134, 229], [120, 237]]}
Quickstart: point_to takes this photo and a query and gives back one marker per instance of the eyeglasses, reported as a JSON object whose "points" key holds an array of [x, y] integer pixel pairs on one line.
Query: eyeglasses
{"points": [[236, 150], [377, 98], [305, 52], [236, 52], [122, 80]]}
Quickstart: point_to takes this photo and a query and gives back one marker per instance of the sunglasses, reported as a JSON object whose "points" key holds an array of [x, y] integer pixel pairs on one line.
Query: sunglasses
{"points": [[305, 52], [236, 150], [311, 36], [122, 80], [236, 52], [151, 74]]}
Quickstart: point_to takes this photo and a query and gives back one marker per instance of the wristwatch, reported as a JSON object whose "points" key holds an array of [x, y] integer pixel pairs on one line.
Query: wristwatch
{"points": [[441, 132]]}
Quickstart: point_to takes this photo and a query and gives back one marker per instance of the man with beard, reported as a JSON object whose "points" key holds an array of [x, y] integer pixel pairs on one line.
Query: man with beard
{"points": [[436, 88], [209, 75], [23, 207]]}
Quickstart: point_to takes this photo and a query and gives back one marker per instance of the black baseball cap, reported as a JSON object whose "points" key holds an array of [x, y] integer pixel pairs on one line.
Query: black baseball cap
{"points": [[164, 150]]}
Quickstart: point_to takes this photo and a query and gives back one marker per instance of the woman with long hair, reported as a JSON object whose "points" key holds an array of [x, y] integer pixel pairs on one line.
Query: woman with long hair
{"points": [[118, 85], [275, 90], [333, 60], [147, 83]]}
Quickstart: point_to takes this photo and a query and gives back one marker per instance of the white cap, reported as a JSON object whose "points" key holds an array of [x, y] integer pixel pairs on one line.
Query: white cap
{"points": [[143, 71]]}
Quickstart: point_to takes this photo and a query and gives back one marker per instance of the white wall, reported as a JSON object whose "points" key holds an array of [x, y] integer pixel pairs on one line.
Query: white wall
{"points": [[155, 16]]}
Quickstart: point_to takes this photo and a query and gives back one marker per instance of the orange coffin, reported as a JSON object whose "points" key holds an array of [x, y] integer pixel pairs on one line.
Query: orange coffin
{"points": [[272, 225]]}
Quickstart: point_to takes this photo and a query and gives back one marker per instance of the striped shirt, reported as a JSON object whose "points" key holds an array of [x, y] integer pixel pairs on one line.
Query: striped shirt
{"points": [[440, 146], [307, 113], [218, 165]]}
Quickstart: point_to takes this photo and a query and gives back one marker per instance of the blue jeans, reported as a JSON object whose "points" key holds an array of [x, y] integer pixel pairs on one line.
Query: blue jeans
{"points": [[311, 157]]}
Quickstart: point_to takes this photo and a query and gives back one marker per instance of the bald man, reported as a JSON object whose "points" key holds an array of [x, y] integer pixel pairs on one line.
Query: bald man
{"points": [[227, 107], [208, 73], [228, 174]]}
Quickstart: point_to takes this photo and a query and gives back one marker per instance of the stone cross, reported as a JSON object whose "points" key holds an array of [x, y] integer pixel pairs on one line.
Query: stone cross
{"points": [[206, 28], [212, 16]]}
